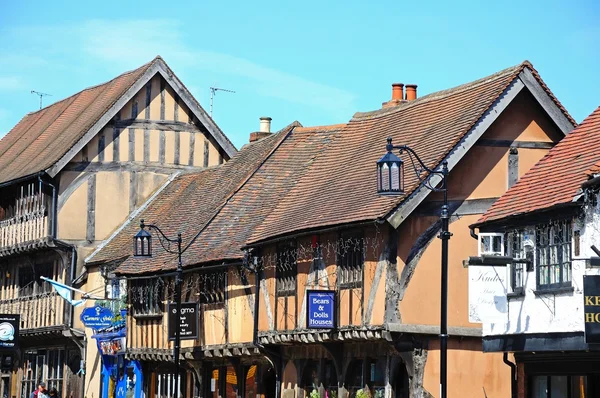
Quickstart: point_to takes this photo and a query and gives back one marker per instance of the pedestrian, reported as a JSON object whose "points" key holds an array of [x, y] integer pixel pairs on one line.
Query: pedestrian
{"points": [[41, 391], [53, 393]]}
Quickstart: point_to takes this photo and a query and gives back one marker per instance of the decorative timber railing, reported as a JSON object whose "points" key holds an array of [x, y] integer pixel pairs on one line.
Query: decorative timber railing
{"points": [[27, 221]]}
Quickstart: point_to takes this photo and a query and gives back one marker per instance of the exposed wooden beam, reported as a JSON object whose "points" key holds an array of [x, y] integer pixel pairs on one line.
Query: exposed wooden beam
{"points": [[546, 102], [513, 166], [515, 144], [91, 208]]}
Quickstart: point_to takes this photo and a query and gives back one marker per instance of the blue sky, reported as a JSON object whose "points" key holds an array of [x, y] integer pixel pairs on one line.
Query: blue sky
{"points": [[313, 61]]}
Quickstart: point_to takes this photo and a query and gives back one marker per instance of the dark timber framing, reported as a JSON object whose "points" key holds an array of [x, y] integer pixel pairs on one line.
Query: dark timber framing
{"points": [[91, 209], [162, 99], [161, 146], [132, 190], [192, 144], [516, 144], [116, 146], [131, 145], [513, 166], [110, 166], [157, 125], [101, 139], [176, 110], [158, 66], [148, 100], [206, 149], [146, 146], [177, 148]]}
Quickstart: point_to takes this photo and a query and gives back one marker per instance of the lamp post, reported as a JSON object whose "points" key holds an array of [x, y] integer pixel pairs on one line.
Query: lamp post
{"points": [[142, 247], [390, 181]]}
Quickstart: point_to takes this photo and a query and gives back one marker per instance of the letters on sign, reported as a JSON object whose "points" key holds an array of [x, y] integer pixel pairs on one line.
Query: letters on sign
{"points": [[9, 331], [487, 294], [187, 321], [97, 317], [591, 308], [320, 313]]}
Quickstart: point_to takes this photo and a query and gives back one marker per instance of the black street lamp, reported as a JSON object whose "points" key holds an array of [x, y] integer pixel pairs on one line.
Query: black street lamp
{"points": [[390, 181], [142, 247]]}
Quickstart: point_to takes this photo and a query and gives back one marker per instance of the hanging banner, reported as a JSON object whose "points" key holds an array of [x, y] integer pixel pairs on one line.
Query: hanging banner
{"points": [[320, 311], [9, 331], [487, 294], [187, 321], [591, 308]]}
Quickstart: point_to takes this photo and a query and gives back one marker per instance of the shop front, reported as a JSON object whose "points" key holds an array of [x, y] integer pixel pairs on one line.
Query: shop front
{"points": [[121, 377]]}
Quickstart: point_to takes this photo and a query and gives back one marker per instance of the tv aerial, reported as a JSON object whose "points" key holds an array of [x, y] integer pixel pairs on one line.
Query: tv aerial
{"points": [[41, 95], [213, 91]]}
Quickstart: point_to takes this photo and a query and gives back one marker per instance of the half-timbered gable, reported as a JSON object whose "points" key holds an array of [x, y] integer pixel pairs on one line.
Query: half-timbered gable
{"points": [[70, 175]]}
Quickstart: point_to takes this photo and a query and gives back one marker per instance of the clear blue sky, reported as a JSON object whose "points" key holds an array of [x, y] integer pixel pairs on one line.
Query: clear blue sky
{"points": [[316, 62]]}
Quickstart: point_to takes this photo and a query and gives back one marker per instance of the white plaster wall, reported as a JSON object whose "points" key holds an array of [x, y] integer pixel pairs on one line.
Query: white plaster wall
{"points": [[547, 312]]}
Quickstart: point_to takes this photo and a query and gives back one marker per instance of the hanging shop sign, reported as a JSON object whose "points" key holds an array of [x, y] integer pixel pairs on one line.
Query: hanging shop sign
{"points": [[9, 331], [320, 311], [591, 308], [97, 317], [487, 294], [187, 321]]}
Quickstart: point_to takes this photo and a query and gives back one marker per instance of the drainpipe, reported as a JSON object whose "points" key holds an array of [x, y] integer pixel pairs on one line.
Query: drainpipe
{"points": [[513, 375]]}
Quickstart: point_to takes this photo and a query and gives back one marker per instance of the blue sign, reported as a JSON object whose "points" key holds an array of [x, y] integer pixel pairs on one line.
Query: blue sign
{"points": [[320, 311], [97, 317]]}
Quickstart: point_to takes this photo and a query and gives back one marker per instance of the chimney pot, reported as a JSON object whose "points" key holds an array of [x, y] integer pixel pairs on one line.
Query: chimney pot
{"points": [[265, 124], [411, 92], [397, 91]]}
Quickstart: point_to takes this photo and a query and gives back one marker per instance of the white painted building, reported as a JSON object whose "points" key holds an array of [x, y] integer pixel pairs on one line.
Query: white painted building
{"points": [[535, 309]]}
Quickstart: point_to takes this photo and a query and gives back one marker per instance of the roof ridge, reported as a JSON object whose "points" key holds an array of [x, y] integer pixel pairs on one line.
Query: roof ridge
{"points": [[148, 64], [441, 94]]}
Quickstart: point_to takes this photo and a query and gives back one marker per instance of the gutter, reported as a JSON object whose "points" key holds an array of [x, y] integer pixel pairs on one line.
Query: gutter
{"points": [[21, 179], [591, 182]]}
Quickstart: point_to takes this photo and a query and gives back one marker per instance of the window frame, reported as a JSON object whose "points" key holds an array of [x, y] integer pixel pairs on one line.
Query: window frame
{"points": [[147, 309], [491, 235], [547, 247], [213, 293], [517, 249], [35, 286], [286, 280], [350, 276]]}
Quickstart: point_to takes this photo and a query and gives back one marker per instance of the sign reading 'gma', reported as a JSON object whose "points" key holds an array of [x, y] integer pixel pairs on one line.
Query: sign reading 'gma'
{"points": [[591, 308]]}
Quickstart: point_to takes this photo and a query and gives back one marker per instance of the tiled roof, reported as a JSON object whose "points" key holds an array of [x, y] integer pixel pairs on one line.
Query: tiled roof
{"points": [[341, 186], [266, 171], [41, 138], [557, 177], [186, 205]]}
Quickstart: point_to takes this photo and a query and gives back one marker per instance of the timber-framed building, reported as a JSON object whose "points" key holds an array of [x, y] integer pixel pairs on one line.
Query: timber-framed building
{"points": [[297, 211], [70, 175]]}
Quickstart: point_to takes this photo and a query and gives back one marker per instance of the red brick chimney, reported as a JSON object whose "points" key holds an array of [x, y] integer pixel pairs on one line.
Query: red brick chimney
{"points": [[397, 96], [265, 129], [411, 92]]}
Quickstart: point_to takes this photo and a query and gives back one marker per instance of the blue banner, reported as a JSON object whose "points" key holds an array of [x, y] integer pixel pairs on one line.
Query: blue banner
{"points": [[97, 317], [320, 312]]}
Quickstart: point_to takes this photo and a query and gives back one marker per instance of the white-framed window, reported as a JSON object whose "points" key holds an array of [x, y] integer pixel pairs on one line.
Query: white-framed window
{"points": [[491, 244]]}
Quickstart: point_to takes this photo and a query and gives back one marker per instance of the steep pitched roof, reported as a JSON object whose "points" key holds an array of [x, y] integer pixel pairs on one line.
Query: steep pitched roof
{"points": [[557, 177], [341, 186], [44, 138], [268, 169]]}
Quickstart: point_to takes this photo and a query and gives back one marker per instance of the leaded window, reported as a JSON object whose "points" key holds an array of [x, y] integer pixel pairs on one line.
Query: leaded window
{"points": [[146, 296], [350, 261], [30, 283], [213, 288], [553, 244], [286, 269]]}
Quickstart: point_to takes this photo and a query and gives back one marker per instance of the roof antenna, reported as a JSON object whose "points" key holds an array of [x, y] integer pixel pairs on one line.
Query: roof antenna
{"points": [[213, 91], [41, 95]]}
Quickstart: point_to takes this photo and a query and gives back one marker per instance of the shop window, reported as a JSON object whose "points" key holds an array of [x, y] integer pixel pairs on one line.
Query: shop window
{"points": [[251, 390], [553, 244], [558, 386], [45, 366], [350, 261], [286, 269], [56, 365], [30, 283], [213, 288], [310, 377], [146, 296]]}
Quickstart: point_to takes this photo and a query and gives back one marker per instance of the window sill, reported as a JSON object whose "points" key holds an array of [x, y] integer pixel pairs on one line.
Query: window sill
{"points": [[517, 294], [147, 316], [556, 290]]}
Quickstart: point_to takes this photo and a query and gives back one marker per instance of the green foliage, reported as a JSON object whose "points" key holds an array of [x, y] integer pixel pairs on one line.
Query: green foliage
{"points": [[362, 394], [314, 394]]}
